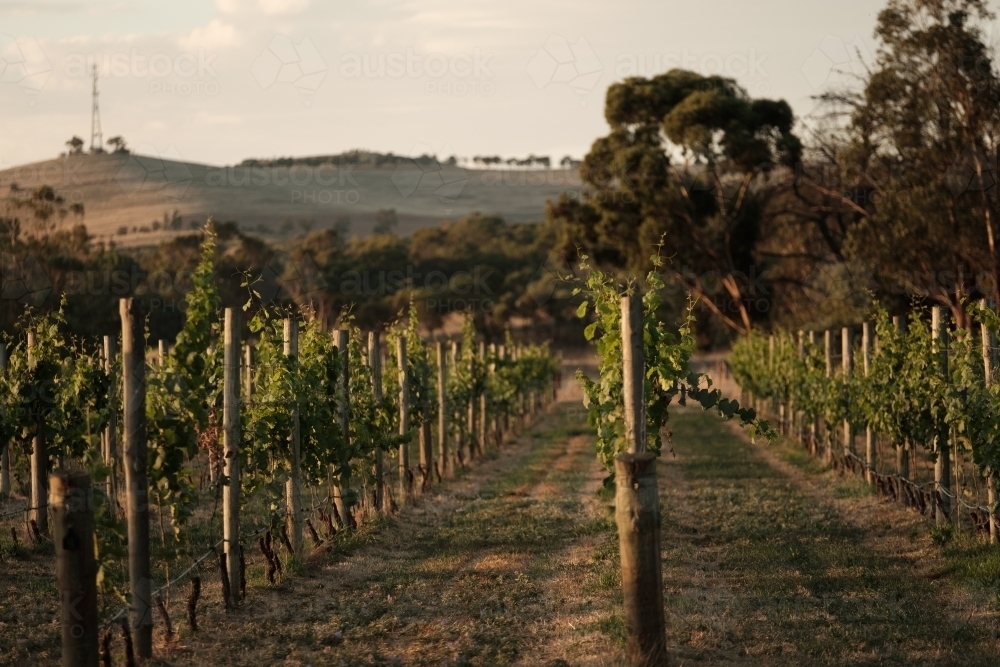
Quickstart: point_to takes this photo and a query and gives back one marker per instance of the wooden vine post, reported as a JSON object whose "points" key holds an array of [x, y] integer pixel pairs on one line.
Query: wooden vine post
{"points": [[136, 481], [375, 366], [828, 353], [776, 405], [231, 452], [796, 416], [470, 421], [247, 372], [494, 419], [38, 509], [989, 372], [404, 419], [341, 340], [504, 420], [637, 509], [942, 465], [456, 454], [76, 566], [482, 398], [293, 488], [847, 363], [814, 425], [444, 461], [4, 446], [870, 454]]}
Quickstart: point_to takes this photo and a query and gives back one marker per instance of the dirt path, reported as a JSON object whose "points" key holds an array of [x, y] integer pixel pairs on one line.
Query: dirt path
{"points": [[496, 568]]}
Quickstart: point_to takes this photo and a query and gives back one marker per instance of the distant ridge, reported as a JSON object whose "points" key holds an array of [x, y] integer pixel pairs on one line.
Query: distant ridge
{"points": [[275, 197]]}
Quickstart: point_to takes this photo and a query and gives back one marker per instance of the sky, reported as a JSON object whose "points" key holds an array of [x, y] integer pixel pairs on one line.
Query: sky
{"points": [[217, 81]]}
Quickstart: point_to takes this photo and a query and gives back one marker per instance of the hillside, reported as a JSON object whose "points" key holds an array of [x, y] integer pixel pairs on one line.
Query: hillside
{"points": [[130, 192]]}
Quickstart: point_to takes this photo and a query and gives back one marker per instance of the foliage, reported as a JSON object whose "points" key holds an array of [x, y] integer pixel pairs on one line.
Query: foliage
{"points": [[668, 374]]}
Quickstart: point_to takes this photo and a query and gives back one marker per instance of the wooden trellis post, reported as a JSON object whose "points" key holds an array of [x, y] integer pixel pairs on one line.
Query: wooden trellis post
{"points": [[942, 466], [504, 418], [136, 481], [161, 352], [494, 417], [375, 365], [870, 453], [632, 374], [76, 566], [39, 511], [637, 509], [989, 374], [341, 339], [828, 352], [814, 425], [482, 398], [293, 488], [248, 372], [404, 419], [444, 461], [456, 455], [231, 452], [847, 363]]}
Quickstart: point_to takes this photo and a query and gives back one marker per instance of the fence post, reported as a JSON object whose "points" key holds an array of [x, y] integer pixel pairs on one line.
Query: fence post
{"points": [[404, 419], [293, 499], [847, 363], [375, 366], [870, 452], [76, 566], [942, 465], [443, 459], [39, 512], [4, 446], [989, 372], [136, 481], [231, 452], [340, 337], [637, 508], [161, 352]]}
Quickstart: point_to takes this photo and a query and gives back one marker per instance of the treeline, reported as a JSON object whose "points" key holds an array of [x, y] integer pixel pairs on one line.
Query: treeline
{"points": [[496, 271], [889, 191]]}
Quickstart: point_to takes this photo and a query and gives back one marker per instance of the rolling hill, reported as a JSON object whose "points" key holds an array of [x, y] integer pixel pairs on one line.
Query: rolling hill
{"points": [[124, 194]]}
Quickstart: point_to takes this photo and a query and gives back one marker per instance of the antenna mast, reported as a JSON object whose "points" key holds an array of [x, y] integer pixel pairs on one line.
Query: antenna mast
{"points": [[96, 136]]}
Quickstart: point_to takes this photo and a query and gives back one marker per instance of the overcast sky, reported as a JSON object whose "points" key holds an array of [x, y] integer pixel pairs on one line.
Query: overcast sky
{"points": [[217, 81]]}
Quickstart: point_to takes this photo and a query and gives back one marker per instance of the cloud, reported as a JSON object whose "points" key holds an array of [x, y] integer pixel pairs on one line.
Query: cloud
{"points": [[282, 6], [215, 35]]}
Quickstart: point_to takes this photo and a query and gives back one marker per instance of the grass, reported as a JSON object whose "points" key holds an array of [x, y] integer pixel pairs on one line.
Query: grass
{"points": [[776, 566]]}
